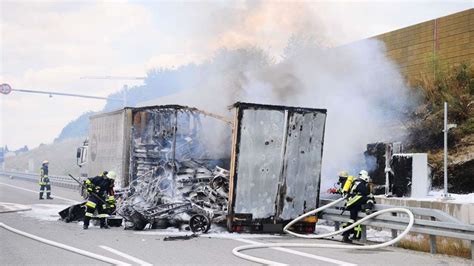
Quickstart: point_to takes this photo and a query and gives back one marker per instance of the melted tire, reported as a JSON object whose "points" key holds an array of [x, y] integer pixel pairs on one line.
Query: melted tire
{"points": [[199, 223]]}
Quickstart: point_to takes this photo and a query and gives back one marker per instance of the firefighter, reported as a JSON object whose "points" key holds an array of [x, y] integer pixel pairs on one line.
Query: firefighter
{"points": [[359, 198], [99, 188], [45, 186], [343, 177]]}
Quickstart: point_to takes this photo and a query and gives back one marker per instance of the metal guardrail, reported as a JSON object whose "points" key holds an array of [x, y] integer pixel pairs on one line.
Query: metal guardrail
{"points": [[427, 221], [55, 180]]}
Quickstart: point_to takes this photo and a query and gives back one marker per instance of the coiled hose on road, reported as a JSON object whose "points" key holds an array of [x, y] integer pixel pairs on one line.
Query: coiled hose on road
{"points": [[237, 251]]}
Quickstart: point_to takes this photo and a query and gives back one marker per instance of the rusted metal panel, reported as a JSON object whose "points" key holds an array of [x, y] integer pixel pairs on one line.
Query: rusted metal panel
{"points": [[276, 161], [259, 162], [107, 145], [302, 165]]}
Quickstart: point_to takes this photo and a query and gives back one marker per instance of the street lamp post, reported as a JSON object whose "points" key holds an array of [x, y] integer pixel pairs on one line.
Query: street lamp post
{"points": [[446, 128]]}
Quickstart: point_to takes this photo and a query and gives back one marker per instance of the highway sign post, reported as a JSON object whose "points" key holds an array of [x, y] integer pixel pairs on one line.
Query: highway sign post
{"points": [[5, 88]]}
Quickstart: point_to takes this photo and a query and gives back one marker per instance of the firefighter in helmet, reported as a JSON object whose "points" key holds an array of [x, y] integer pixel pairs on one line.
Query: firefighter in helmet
{"points": [[45, 186], [359, 198], [100, 188], [341, 188]]}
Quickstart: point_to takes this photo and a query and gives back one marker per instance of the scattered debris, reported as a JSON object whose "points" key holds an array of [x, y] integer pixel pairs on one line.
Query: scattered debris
{"points": [[185, 237], [199, 197], [377, 158], [73, 213], [178, 179]]}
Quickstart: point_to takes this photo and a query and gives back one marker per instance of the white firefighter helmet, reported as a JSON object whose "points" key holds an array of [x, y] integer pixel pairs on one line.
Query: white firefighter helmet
{"points": [[343, 173], [45, 162], [111, 175], [364, 175]]}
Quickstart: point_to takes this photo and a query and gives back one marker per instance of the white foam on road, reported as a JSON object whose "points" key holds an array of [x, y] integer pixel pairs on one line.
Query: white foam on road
{"points": [[436, 195], [13, 207], [45, 212], [219, 234]]}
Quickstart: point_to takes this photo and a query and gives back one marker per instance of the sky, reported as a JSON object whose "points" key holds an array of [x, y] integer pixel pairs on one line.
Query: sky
{"points": [[50, 45]]}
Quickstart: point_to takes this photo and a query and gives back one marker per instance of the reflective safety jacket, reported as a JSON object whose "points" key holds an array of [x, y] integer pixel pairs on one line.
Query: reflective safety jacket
{"points": [[44, 179], [100, 185], [359, 192]]}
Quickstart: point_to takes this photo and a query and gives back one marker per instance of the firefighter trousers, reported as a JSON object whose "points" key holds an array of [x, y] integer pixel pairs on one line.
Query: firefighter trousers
{"points": [[92, 204], [354, 211], [45, 188]]}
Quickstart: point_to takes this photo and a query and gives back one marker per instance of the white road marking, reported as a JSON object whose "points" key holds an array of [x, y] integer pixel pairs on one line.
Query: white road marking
{"points": [[64, 246], [29, 190], [128, 257], [299, 253]]}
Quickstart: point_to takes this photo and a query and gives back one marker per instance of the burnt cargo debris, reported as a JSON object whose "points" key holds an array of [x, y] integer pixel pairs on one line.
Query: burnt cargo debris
{"points": [[409, 176], [176, 168], [275, 166], [377, 159]]}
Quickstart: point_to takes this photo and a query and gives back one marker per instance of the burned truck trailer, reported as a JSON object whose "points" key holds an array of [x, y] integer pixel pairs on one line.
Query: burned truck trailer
{"points": [[107, 146], [172, 161], [275, 166]]}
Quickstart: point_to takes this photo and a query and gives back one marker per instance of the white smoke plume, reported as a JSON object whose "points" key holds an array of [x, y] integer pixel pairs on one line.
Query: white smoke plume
{"points": [[361, 88]]}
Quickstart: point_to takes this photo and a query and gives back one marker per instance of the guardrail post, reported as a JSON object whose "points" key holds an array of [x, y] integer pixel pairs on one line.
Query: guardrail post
{"points": [[472, 250], [363, 236], [433, 240], [432, 244], [394, 231]]}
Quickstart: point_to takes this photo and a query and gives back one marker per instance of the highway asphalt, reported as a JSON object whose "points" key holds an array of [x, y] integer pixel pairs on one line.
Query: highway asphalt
{"points": [[149, 247]]}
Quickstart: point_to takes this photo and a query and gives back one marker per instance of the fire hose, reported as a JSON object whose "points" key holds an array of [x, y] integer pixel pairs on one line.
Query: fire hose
{"points": [[237, 251]]}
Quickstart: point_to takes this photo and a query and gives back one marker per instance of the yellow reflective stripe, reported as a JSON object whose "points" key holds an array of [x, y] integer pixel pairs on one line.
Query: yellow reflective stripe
{"points": [[353, 200], [90, 204], [88, 214], [88, 181], [103, 215], [354, 187], [358, 230]]}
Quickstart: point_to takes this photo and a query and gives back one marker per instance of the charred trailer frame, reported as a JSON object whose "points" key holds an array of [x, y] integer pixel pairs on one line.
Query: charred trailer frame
{"points": [[108, 145], [275, 170], [167, 135], [377, 159], [173, 150]]}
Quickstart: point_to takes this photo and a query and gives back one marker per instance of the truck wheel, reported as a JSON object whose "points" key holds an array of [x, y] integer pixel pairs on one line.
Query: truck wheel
{"points": [[199, 223]]}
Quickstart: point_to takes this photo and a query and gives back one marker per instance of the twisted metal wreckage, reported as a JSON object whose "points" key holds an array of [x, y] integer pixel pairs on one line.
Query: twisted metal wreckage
{"points": [[178, 180], [176, 160], [175, 168]]}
